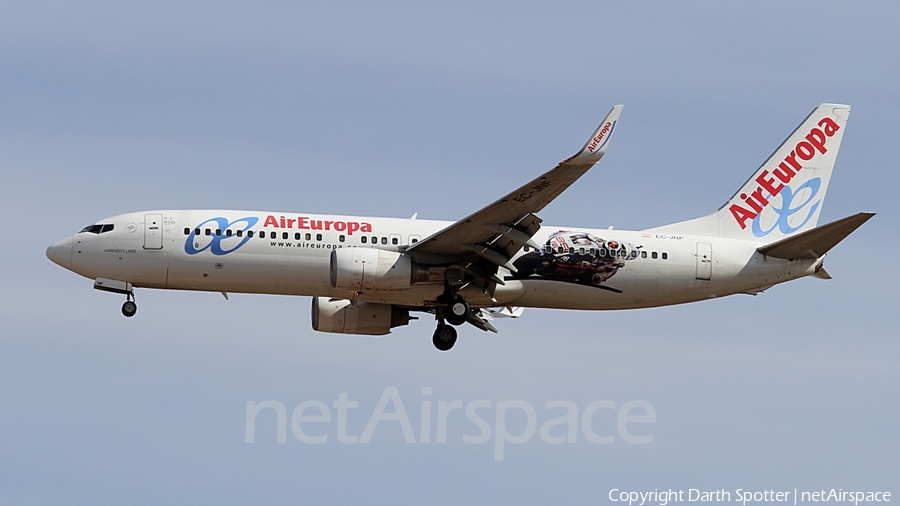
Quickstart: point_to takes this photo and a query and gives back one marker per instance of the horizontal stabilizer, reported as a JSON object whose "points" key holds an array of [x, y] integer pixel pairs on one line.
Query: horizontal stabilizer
{"points": [[815, 243], [821, 273]]}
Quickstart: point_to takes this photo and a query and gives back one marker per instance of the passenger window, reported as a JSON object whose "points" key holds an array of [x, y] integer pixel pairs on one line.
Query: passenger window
{"points": [[196, 231], [262, 235], [581, 251], [571, 251], [653, 255], [297, 236], [526, 249], [665, 256], [240, 233], [384, 240], [394, 241], [415, 241], [250, 234], [374, 240], [603, 252], [284, 235], [643, 254], [272, 235], [318, 237], [218, 231], [228, 232], [364, 239], [559, 249], [308, 236], [187, 231], [341, 238], [207, 232]]}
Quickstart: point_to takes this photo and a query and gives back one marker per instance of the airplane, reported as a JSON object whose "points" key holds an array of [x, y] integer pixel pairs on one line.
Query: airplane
{"points": [[366, 275]]}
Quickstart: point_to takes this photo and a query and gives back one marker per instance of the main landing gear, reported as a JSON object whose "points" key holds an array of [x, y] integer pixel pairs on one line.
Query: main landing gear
{"points": [[129, 308], [444, 337], [455, 313]]}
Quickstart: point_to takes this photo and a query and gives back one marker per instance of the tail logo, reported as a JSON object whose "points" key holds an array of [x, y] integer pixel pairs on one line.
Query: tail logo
{"points": [[814, 142], [786, 211]]}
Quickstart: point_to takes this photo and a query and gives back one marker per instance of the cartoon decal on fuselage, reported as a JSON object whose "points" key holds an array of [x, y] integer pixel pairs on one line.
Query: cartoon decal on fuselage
{"points": [[576, 257]]}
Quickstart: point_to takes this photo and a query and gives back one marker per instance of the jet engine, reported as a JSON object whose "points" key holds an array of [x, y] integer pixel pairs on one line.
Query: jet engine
{"points": [[342, 317], [359, 269]]}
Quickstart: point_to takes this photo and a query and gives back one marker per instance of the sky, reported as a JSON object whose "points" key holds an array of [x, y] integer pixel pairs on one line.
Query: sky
{"points": [[396, 108]]}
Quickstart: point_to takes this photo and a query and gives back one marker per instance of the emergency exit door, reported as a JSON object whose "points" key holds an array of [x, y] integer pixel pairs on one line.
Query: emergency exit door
{"points": [[704, 260], [153, 231]]}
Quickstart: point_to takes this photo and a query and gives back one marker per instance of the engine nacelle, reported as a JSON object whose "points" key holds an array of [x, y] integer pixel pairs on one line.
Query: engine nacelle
{"points": [[343, 317], [361, 269]]}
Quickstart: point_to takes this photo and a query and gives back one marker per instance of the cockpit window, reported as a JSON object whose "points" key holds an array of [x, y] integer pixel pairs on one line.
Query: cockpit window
{"points": [[98, 228]]}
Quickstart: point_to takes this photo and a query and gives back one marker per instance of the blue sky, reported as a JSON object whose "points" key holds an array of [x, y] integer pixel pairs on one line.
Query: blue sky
{"points": [[391, 109]]}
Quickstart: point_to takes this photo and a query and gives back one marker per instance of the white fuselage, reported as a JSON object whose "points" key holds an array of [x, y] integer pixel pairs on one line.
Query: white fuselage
{"points": [[181, 250]]}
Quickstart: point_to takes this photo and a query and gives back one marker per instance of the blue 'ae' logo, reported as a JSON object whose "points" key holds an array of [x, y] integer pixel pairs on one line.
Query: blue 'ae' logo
{"points": [[215, 243], [786, 211]]}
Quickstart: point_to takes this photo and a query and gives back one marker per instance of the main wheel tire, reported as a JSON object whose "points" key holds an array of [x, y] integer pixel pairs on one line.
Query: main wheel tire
{"points": [[444, 337], [129, 308], [457, 312]]}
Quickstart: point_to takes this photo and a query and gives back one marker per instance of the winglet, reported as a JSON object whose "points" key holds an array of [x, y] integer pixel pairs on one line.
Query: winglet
{"points": [[596, 146]]}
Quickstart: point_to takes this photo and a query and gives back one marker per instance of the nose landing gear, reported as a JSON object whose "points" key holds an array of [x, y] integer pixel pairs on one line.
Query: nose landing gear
{"points": [[129, 308]]}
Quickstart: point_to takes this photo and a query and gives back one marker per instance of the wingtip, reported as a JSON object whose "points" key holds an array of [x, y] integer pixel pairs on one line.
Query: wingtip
{"points": [[597, 144]]}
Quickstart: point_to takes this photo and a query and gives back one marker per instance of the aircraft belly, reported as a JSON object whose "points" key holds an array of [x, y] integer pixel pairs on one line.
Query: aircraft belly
{"points": [[417, 295], [275, 273], [561, 295]]}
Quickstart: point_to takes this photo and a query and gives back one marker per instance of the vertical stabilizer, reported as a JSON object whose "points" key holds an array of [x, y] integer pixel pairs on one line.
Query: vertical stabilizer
{"points": [[785, 195]]}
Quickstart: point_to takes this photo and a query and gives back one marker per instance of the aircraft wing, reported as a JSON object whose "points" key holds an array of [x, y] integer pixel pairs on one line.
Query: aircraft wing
{"points": [[493, 235]]}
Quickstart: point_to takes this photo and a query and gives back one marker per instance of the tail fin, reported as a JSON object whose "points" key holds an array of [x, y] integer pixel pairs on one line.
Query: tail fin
{"points": [[784, 196]]}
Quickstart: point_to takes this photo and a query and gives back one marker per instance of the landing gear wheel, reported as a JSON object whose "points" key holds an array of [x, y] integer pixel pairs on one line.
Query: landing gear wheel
{"points": [[129, 308], [457, 312], [444, 337]]}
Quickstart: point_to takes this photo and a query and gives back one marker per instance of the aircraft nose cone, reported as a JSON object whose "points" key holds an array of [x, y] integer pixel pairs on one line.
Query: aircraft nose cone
{"points": [[60, 253]]}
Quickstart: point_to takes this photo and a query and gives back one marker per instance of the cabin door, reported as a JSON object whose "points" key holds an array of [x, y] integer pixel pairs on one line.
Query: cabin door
{"points": [[153, 231], [704, 260]]}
